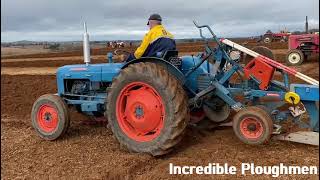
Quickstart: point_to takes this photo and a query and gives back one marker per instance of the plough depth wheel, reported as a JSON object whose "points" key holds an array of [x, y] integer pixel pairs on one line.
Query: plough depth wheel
{"points": [[253, 125]]}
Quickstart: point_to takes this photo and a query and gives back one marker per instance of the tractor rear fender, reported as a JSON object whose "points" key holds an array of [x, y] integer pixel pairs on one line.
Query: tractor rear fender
{"points": [[171, 68]]}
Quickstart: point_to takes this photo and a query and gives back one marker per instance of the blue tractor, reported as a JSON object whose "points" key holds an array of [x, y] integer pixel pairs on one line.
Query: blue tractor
{"points": [[150, 101]]}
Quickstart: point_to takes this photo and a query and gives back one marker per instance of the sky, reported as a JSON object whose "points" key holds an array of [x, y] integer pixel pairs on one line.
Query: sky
{"points": [[62, 20]]}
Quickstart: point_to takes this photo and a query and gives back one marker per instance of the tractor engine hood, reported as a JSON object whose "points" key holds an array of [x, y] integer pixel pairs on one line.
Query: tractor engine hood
{"points": [[93, 72], [80, 71]]}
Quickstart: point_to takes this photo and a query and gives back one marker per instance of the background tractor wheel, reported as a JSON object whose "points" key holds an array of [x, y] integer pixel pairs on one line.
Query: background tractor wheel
{"points": [[294, 57], [253, 125], [147, 109], [50, 117], [267, 39], [261, 50]]}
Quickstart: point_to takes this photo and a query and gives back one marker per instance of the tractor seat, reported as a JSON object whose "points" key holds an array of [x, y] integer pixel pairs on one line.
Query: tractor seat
{"points": [[171, 56], [169, 53]]}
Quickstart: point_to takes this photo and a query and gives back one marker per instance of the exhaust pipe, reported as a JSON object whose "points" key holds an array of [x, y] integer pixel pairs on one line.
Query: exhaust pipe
{"points": [[86, 45], [307, 28]]}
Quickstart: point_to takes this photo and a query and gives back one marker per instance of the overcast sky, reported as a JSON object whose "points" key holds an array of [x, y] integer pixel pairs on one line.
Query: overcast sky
{"points": [[61, 20]]}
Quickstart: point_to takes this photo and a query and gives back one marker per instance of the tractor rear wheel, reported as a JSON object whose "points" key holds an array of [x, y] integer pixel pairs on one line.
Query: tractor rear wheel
{"points": [[253, 125], [295, 57], [50, 116], [147, 109]]}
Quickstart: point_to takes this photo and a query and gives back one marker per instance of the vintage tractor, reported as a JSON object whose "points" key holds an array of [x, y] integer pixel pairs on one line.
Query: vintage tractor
{"points": [[149, 101], [269, 36], [300, 47]]}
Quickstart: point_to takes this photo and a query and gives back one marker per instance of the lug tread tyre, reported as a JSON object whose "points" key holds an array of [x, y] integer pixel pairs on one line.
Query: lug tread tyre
{"points": [[63, 116], [175, 102]]}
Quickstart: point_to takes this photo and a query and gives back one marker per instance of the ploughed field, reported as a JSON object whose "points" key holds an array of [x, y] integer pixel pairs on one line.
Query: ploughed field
{"points": [[90, 151]]}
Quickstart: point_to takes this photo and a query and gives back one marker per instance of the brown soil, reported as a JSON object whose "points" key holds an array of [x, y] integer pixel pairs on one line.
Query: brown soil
{"points": [[18, 92], [182, 47], [91, 152], [29, 71]]}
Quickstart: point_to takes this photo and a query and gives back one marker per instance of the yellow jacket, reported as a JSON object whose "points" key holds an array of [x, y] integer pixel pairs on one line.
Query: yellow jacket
{"points": [[155, 33]]}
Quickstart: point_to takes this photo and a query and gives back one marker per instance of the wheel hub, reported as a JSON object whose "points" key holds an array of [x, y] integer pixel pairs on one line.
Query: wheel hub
{"points": [[140, 111], [251, 128], [47, 118], [294, 58]]}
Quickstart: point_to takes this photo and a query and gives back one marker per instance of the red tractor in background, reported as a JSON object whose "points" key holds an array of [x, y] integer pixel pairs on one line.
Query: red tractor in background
{"points": [[301, 46], [269, 36]]}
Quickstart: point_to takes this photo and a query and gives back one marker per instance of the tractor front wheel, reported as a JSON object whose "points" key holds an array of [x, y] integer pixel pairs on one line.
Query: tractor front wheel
{"points": [[50, 117], [295, 57], [147, 109], [253, 125]]}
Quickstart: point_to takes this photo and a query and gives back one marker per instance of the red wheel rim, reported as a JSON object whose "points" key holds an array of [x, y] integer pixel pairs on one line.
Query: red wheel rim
{"points": [[251, 128], [47, 118], [140, 111]]}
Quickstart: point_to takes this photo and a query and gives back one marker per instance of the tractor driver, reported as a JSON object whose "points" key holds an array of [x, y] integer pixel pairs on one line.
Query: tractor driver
{"points": [[157, 40]]}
